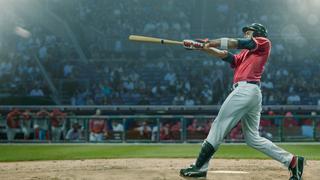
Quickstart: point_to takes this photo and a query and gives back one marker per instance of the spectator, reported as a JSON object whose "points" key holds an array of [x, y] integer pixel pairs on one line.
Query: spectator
{"points": [[144, 129], [194, 127], [58, 124], [13, 124], [265, 122], [207, 126], [98, 127], [165, 131], [175, 130], [26, 123], [236, 133], [36, 92], [179, 99], [42, 52], [67, 70], [75, 133], [116, 126], [41, 124], [189, 101], [274, 118], [154, 133], [117, 129], [293, 99], [289, 120], [307, 125]]}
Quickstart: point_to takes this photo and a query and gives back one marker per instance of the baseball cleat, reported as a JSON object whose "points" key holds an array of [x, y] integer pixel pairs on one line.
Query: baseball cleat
{"points": [[297, 170], [193, 172]]}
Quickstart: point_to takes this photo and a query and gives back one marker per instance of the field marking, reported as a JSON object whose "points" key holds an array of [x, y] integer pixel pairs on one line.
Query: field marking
{"points": [[229, 172]]}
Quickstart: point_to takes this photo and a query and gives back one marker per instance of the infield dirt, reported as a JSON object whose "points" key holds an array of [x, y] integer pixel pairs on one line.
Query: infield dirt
{"points": [[145, 169]]}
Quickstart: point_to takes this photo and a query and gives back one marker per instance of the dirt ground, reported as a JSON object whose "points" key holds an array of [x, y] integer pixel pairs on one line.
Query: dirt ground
{"points": [[153, 169]]}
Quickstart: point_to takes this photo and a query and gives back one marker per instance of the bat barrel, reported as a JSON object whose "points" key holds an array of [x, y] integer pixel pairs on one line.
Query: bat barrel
{"points": [[153, 40]]}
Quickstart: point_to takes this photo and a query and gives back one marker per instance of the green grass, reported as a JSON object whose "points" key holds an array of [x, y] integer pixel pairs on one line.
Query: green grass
{"points": [[68, 152]]}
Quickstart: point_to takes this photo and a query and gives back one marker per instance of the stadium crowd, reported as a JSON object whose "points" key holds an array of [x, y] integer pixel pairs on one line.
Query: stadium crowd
{"points": [[123, 73]]}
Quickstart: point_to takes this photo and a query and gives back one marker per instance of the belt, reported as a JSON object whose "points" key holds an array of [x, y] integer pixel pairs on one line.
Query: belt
{"points": [[250, 82]]}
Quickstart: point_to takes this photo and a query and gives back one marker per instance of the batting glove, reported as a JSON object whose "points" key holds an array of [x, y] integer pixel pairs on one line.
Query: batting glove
{"points": [[204, 41], [192, 45]]}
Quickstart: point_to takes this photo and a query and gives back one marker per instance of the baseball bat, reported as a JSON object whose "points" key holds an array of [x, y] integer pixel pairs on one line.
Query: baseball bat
{"points": [[153, 40]]}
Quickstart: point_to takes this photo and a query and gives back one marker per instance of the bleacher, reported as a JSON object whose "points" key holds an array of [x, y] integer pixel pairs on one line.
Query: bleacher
{"points": [[91, 33]]}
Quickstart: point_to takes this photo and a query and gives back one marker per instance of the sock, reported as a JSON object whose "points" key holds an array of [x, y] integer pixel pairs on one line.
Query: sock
{"points": [[293, 162], [205, 154]]}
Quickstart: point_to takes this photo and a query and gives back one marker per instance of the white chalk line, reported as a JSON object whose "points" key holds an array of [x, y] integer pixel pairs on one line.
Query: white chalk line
{"points": [[228, 172]]}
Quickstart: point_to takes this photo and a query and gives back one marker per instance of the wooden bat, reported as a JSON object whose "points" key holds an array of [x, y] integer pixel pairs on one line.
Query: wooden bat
{"points": [[153, 40]]}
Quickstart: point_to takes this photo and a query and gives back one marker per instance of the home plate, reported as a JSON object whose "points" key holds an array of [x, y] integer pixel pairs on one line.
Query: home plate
{"points": [[229, 172]]}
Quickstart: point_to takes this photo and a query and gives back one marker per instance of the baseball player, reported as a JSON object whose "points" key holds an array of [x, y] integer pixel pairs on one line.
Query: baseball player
{"points": [[244, 102], [13, 124], [98, 127], [58, 123], [41, 124], [26, 117]]}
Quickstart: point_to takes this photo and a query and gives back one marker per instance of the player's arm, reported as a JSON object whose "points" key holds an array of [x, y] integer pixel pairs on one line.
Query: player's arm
{"points": [[232, 43], [222, 43], [222, 54]]}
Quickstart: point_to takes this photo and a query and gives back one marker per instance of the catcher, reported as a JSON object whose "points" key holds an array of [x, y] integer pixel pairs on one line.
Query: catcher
{"points": [[244, 102]]}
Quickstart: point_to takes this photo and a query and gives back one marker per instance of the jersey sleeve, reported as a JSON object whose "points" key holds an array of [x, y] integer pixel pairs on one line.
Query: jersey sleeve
{"points": [[229, 58], [246, 43], [236, 60], [263, 45]]}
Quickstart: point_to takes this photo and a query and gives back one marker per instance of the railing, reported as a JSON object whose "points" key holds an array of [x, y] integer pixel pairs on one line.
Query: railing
{"points": [[152, 129]]}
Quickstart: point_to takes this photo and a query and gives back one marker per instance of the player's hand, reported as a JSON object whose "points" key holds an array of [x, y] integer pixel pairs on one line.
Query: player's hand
{"points": [[204, 41], [192, 45], [206, 46]]}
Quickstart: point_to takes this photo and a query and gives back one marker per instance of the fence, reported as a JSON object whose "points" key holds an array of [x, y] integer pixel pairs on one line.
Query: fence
{"points": [[152, 129]]}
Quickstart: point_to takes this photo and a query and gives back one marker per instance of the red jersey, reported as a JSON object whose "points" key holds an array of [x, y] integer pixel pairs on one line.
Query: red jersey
{"points": [[97, 125], [43, 114], [13, 119], [26, 116], [57, 118], [249, 64]]}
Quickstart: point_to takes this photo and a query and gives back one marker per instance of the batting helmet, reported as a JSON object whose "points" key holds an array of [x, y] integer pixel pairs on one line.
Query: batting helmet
{"points": [[258, 30]]}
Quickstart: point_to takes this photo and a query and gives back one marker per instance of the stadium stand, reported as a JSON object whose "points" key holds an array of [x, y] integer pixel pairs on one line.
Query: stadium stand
{"points": [[118, 72]]}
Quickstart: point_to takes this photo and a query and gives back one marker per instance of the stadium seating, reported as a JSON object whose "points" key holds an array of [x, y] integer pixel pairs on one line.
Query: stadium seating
{"points": [[101, 29]]}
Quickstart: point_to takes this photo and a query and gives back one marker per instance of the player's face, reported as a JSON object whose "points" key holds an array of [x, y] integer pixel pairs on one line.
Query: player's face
{"points": [[248, 34]]}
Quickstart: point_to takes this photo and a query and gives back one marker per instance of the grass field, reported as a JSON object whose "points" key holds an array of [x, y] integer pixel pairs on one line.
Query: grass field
{"points": [[22, 152]]}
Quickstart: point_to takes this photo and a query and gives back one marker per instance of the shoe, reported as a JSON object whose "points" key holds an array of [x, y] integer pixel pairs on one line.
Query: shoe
{"points": [[193, 172], [297, 170]]}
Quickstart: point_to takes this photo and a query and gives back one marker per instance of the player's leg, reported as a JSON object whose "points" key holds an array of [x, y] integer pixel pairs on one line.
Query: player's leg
{"points": [[25, 132], [43, 133], [56, 133], [59, 133], [250, 126], [100, 137], [53, 133], [234, 107], [92, 137], [10, 134]]}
